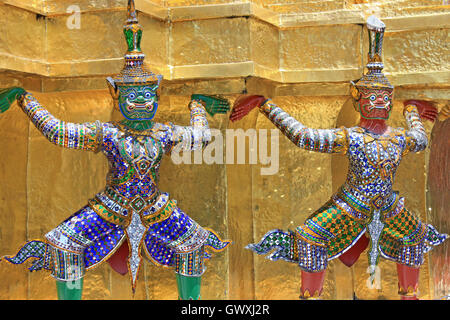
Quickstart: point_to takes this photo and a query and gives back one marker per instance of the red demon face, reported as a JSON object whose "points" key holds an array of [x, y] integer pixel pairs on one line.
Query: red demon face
{"points": [[375, 103]]}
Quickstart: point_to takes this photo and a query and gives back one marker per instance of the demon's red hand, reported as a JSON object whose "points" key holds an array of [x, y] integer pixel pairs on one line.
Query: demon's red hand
{"points": [[244, 104], [426, 109]]}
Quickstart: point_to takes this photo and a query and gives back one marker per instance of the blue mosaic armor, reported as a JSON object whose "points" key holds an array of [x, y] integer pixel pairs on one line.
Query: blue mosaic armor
{"points": [[131, 207]]}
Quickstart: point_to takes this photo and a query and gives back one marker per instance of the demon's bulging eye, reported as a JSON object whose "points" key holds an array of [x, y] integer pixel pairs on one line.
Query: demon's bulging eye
{"points": [[373, 97], [132, 95], [386, 98], [147, 95]]}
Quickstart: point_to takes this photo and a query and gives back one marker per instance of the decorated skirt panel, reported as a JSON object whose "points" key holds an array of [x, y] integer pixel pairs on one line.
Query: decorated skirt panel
{"points": [[405, 239], [405, 227], [287, 246], [80, 242], [85, 240], [331, 231], [326, 234], [331, 228], [163, 238], [99, 237], [179, 232], [160, 254], [185, 263], [157, 251], [191, 240]]}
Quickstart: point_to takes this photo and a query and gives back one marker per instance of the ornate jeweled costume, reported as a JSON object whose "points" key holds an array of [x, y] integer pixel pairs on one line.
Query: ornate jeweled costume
{"points": [[131, 212], [131, 206], [365, 210], [365, 202]]}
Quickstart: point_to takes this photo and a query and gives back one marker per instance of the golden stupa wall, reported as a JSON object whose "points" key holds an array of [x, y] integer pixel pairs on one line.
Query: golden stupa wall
{"points": [[301, 53]]}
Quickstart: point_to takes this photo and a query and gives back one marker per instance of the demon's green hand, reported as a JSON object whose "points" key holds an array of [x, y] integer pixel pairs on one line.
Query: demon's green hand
{"points": [[8, 96], [213, 104]]}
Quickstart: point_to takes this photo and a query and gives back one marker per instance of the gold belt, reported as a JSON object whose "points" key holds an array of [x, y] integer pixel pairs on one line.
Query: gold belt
{"points": [[138, 204]]}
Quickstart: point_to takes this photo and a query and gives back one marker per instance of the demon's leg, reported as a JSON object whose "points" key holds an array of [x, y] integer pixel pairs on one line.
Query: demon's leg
{"points": [[312, 284], [351, 255], [408, 282], [189, 268], [69, 290], [188, 287]]}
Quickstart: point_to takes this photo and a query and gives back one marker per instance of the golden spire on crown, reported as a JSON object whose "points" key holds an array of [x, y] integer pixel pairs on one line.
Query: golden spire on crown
{"points": [[374, 78], [135, 71]]}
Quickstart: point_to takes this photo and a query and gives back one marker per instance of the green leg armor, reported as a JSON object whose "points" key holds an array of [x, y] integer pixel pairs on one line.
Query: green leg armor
{"points": [[188, 287], [69, 290]]}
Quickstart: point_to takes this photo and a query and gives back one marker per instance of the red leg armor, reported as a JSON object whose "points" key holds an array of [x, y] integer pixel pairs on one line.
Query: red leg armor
{"points": [[352, 254], [312, 284], [118, 261], [408, 282]]}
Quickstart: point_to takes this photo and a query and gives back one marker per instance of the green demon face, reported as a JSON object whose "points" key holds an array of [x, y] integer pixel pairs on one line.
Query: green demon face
{"points": [[138, 102]]}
